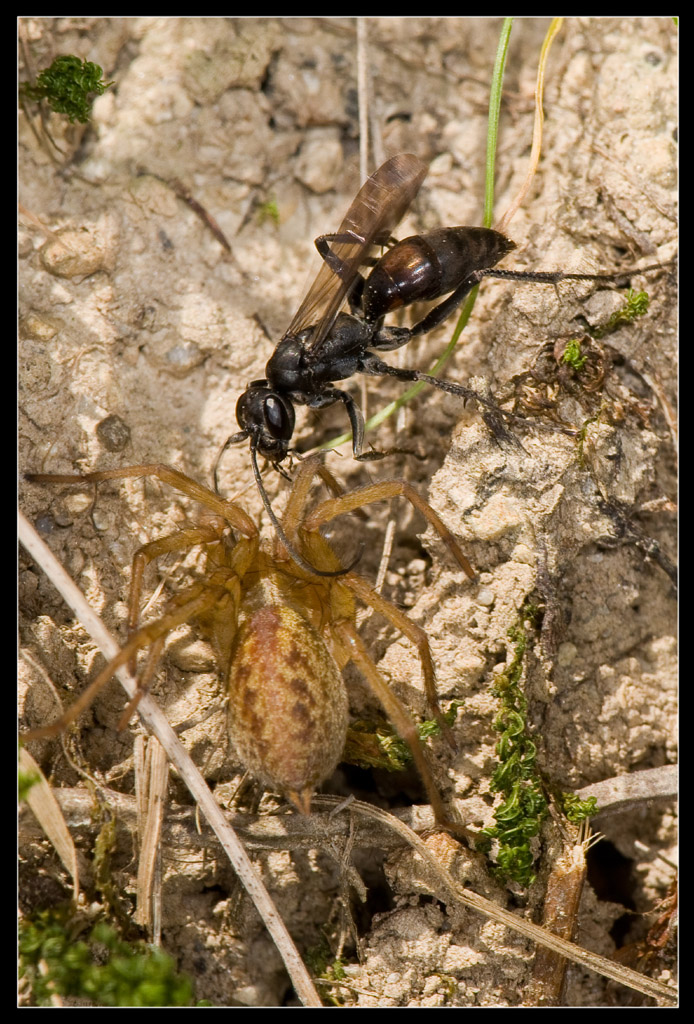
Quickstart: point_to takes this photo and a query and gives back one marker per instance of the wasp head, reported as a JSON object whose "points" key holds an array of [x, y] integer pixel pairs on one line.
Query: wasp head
{"points": [[267, 418]]}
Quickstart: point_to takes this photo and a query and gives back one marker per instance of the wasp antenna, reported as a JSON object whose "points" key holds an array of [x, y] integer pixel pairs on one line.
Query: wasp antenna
{"points": [[291, 550]]}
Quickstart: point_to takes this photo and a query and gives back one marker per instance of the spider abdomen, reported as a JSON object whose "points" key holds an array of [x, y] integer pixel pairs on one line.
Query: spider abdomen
{"points": [[287, 702]]}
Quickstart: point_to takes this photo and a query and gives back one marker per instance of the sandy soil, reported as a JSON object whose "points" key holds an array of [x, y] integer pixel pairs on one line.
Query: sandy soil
{"points": [[150, 321]]}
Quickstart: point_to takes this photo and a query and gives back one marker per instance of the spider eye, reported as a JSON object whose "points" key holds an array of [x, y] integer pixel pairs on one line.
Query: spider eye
{"points": [[279, 417]]}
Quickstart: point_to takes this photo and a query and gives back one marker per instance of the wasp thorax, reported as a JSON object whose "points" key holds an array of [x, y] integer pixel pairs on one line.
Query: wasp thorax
{"points": [[287, 702]]}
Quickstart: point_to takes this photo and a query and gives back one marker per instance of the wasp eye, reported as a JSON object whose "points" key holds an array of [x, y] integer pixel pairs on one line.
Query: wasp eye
{"points": [[279, 417]]}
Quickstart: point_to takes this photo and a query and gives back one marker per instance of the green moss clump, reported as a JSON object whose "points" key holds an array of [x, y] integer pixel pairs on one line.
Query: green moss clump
{"points": [[100, 967], [68, 86]]}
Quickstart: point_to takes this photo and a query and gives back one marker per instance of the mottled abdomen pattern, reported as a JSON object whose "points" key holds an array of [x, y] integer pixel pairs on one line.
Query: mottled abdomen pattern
{"points": [[287, 702]]}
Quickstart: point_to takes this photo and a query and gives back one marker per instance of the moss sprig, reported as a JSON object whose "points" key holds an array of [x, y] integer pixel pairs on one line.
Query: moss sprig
{"points": [[516, 777], [68, 86], [635, 306], [100, 967], [377, 744], [577, 810]]}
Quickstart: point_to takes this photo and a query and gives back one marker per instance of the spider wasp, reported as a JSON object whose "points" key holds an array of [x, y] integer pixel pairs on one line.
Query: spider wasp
{"points": [[323, 344]]}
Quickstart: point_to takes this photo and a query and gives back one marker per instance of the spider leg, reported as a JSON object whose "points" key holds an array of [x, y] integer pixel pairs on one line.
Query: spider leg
{"points": [[414, 633], [187, 607], [384, 491], [400, 719]]}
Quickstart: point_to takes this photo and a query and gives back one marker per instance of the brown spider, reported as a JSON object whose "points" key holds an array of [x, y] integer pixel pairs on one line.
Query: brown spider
{"points": [[281, 633]]}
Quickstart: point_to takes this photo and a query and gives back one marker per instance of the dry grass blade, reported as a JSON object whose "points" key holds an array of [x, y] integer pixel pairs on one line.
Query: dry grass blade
{"points": [[630, 792], [157, 724], [47, 812], [537, 129], [155, 778]]}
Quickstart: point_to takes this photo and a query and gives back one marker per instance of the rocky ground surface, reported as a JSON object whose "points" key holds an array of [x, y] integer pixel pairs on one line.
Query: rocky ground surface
{"points": [[138, 331]]}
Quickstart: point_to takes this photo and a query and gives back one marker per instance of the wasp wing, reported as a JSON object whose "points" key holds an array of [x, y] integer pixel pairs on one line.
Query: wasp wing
{"points": [[377, 208]]}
